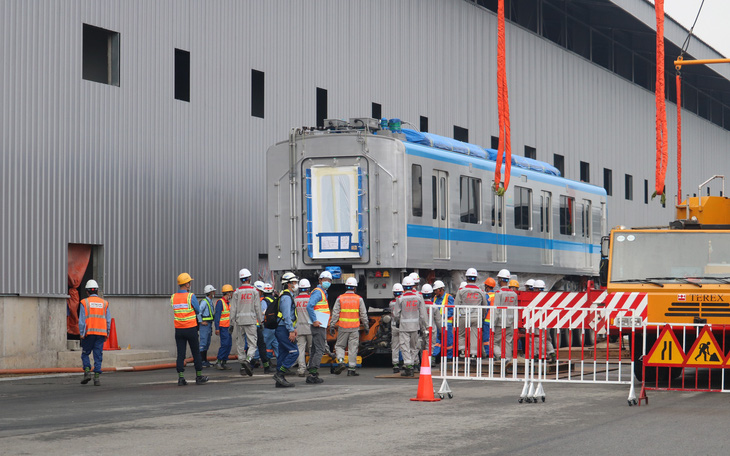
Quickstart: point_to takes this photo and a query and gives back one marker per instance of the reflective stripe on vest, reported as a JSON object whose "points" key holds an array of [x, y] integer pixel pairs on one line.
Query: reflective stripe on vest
{"points": [[349, 310], [445, 310], [183, 311], [225, 320], [490, 295], [211, 313], [322, 305], [95, 310]]}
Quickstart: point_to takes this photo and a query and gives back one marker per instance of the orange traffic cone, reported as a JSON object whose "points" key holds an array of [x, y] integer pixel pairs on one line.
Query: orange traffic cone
{"points": [[425, 383], [111, 341]]}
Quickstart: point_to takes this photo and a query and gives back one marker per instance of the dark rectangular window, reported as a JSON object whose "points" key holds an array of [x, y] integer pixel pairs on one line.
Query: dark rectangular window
{"points": [[494, 142], [434, 196], [629, 187], [416, 191], [553, 24], [182, 75], [321, 106], [601, 46], [530, 152], [257, 93], [523, 208], [545, 211], [585, 172], [377, 111], [567, 215], [470, 190], [424, 124], [100, 55], [461, 133], [608, 181], [646, 191], [559, 162]]}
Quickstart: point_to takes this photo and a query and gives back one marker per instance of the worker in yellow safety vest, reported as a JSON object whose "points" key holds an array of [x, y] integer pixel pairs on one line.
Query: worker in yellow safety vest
{"points": [[223, 327], [445, 302], [206, 323], [489, 286], [318, 310], [186, 314], [94, 325], [348, 314]]}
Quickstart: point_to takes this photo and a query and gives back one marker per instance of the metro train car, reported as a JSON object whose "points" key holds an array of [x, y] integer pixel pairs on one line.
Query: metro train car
{"points": [[377, 203]]}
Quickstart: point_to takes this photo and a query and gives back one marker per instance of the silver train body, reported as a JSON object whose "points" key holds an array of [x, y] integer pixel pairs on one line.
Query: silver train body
{"points": [[379, 207]]}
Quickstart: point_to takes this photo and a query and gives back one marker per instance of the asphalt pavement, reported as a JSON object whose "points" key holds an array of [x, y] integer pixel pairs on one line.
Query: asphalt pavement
{"points": [[146, 413]]}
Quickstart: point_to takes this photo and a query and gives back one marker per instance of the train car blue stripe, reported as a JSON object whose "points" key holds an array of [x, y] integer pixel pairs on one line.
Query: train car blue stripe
{"points": [[481, 237]]}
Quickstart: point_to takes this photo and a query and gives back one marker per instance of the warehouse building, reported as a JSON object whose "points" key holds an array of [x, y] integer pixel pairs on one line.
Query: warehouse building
{"points": [[134, 133]]}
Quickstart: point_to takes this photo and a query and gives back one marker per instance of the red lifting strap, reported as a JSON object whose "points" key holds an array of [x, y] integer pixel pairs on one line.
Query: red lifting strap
{"points": [[679, 139], [661, 112], [505, 146]]}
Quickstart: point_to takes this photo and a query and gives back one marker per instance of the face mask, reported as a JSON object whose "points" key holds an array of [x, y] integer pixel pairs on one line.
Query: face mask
{"points": [[326, 285], [295, 289]]}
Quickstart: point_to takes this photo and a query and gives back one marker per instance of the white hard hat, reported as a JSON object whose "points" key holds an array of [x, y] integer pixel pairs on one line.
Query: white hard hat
{"points": [[530, 283], [462, 285], [244, 273], [289, 277], [325, 275], [397, 288], [92, 284], [416, 278], [471, 272], [426, 289], [259, 285], [539, 284], [504, 274], [351, 282], [408, 281], [268, 288], [304, 283], [438, 284], [208, 289]]}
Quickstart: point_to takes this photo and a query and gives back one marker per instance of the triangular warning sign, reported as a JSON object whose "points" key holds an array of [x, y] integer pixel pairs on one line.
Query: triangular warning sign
{"points": [[666, 350], [705, 352]]}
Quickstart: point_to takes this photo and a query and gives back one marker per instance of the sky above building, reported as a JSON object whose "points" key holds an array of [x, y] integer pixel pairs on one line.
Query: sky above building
{"points": [[711, 26]]}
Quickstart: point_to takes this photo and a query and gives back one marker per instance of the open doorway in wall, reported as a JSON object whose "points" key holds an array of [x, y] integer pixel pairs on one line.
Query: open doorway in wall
{"points": [[85, 262], [265, 274]]}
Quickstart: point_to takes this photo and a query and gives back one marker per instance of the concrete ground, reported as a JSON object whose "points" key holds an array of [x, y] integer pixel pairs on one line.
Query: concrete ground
{"points": [[146, 413]]}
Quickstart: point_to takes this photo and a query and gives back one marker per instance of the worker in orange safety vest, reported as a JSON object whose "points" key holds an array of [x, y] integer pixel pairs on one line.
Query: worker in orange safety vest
{"points": [[94, 325], [186, 314], [348, 313]]}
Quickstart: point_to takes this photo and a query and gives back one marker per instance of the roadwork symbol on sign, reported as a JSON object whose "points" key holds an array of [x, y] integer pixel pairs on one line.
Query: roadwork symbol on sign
{"points": [[666, 350], [705, 351]]}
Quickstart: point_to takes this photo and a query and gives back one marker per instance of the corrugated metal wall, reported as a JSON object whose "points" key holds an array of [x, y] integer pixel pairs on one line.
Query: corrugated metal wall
{"points": [[168, 186]]}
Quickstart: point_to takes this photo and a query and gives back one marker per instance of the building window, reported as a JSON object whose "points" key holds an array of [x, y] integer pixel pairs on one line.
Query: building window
{"points": [[100, 55], [321, 106], [182, 75], [416, 191], [257, 93], [530, 152], [495, 142], [567, 215], [608, 181], [629, 187], [646, 191], [559, 162], [523, 208], [461, 134], [377, 111], [470, 190], [585, 172], [424, 124]]}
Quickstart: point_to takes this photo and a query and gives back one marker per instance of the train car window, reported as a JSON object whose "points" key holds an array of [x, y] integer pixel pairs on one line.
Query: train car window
{"points": [[523, 208], [567, 215], [586, 219], [442, 184], [497, 206], [434, 196], [545, 212], [416, 191], [470, 190]]}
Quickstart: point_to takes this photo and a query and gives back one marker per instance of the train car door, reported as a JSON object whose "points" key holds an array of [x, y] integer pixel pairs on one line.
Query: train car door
{"points": [[546, 228], [500, 229], [440, 202], [587, 232]]}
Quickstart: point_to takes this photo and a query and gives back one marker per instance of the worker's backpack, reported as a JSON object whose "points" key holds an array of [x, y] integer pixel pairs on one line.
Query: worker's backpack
{"points": [[271, 315]]}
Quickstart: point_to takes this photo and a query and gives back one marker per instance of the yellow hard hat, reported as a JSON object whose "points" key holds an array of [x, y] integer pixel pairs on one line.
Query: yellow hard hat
{"points": [[514, 283], [184, 278], [226, 288]]}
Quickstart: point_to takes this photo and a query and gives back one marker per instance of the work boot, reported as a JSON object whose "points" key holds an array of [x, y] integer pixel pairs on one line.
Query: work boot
{"points": [[181, 381], [219, 365], [409, 372], [246, 368], [225, 365], [281, 381], [96, 379], [340, 367], [87, 377], [396, 369], [267, 368], [204, 358], [352, 373], [200, 379], [314, 379], [551, 358]]}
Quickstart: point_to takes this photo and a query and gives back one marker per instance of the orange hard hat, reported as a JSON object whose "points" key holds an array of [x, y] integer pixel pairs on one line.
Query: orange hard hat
{"points": [[490, 282], [226, 288], [514, 283]]}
